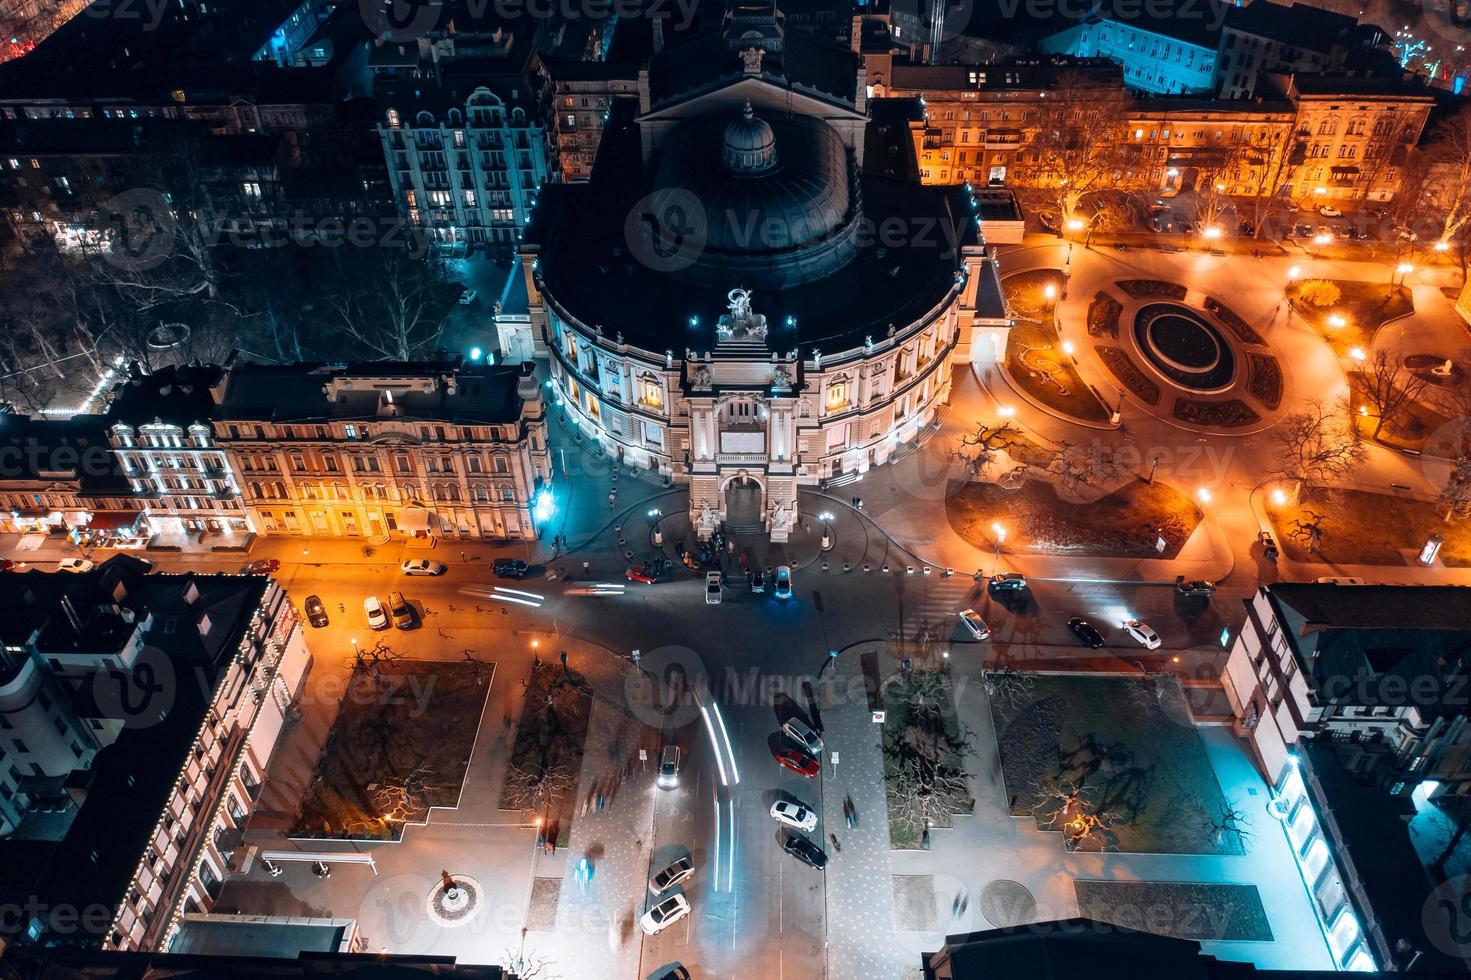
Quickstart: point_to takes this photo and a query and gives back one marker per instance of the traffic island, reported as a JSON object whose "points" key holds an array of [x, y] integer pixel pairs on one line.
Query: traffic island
{"points": [[1035, 360], [1355, 527], [400, 745], [541, 777], [1130, 522], [1112, 763]]}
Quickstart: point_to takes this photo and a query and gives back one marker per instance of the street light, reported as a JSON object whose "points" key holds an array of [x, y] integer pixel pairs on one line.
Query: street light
{"points": [[1335, 320], [1212, 232], [1279, 497], [1320, 240], [1204, 495], [826, 517], [1358, 354], [1401, 270], [1006, 411], [656, 515]]}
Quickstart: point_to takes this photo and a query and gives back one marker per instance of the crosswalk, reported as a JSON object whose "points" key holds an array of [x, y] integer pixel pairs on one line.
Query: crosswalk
{"points": [[942, 597]]}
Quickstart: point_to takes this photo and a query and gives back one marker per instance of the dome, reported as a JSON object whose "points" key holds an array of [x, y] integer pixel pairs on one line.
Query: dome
{"points": [[750, 145], [765, 222]]}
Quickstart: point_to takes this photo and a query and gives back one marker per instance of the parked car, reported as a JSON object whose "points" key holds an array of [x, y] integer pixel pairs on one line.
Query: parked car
{"points": [[1303, 231], [712, 588], [805, 850], [6, 564], [758, 580], [261, 566], [782, 587], [468, 297], [973, 622], [316, 613], [1339, 580], [421, 566], [377, 615], [669, 767], [678, 872], [1142, 634], [798, 762], [1269, 546], [401, 611], [665, 914], [1085, 631], [510, 568], [1007, 582], [794, 815], [798, 731], [1195, 586], [75, 565], [1329, 211], [639, 573]]}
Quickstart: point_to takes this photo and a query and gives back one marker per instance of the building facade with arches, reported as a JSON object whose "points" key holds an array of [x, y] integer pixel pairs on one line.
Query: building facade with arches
{"points": [[739, 300]]}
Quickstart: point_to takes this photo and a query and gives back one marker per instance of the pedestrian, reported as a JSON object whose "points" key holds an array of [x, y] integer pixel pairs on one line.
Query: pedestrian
{"points": [[585, 567], [834, 838]]}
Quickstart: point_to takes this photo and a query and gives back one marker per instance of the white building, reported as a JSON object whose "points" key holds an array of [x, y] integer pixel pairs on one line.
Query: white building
{"points": [[735, 302]]}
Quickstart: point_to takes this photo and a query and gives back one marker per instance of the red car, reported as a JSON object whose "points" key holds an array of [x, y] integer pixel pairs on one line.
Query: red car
{"points": [[6, 564], [798, 762], [639, 573], [261, 566]]}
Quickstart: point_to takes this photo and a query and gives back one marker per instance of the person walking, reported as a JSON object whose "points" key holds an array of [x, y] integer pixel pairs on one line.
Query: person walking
{"points": [[834, 838]]}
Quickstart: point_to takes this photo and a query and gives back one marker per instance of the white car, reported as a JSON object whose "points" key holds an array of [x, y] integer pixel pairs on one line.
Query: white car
{"points": [[1142, 634], [377, 615], [973, 622], [665, 914], [783, 587], [75, 565], [713, 588], [1340, 580], [1328, 211], [421, 566], [468, 297], [677, 873], [794, 815], [798, 732]]}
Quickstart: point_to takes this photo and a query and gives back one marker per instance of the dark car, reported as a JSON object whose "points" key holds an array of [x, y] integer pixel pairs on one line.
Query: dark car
{"points": [[671, 971], [1194, 587], [261, 566], [510, 568], [1086, 632], [805, 851], [316, 613], [798, 762], [1269, 546], [1007, 582]]}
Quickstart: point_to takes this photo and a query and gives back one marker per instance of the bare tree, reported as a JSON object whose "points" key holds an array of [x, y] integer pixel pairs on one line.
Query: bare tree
{"points": [[374, 661], [1446, 164], [391, 303], [1076, 147], [1455, 496], [1309, 530], [404, 798], [1389, 388], [1226, 824], [535, 789], [1315, 446], [528, 966], [1007, 686], [979, 449], [926, 793]]}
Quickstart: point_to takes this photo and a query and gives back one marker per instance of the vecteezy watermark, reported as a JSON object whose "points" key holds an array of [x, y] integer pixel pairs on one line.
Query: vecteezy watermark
{"points": [[301, 230], [400, 19], [144, 230], [31, 456], [61, 919], [406, 20], [148, 11], [666, 230], [140, 694], [1211, 12], [918, 15], [1448, 19], [667, 687], [1446, 917]]}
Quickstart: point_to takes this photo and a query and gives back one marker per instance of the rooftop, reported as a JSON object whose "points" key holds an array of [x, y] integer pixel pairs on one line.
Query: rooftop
{"points": [[70, 452], [174, 395]]}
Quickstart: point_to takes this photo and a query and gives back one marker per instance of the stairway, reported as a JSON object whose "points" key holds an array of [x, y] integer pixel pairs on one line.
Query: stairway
{"points": [[732, 530]]}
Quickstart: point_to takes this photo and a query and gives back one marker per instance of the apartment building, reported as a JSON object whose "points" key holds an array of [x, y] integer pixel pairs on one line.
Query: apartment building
{"points": [[582, 97], [1264, 38], [60, 477], [1356, 134], [386, 450], [173, 690]]}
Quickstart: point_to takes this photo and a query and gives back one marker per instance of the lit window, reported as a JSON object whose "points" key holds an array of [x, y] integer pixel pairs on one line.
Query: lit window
{"points": [[837, 394], [653, 394]]}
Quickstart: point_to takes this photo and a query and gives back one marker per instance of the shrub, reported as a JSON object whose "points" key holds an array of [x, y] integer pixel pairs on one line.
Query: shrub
{"points": [[1319, 292]]}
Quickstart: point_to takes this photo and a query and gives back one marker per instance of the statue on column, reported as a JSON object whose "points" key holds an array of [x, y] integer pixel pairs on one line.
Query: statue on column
{"points": [[706, 523], [781, 516]]}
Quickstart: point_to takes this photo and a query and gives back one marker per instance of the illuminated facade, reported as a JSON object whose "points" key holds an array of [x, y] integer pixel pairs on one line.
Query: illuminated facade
{"points": [[775, 343], [381, 451]]}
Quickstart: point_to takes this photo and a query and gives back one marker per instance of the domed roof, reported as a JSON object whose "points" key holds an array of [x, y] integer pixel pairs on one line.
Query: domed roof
{"points": [[750, 145], [765, 222]]}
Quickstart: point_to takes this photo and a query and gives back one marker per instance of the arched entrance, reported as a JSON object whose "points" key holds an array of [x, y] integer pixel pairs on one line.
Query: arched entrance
{"points": [[743, 500]]}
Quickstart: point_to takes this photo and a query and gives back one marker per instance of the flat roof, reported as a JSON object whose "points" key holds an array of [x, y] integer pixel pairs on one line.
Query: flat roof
{"points": [[258, 935]]}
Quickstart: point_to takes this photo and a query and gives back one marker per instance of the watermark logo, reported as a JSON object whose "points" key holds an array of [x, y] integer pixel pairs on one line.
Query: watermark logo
{"points": [[1446, 917], [666, 230], [140, 694], [666, 688], [1449, 19], [953, 17], [144, 230], [403, 20]]}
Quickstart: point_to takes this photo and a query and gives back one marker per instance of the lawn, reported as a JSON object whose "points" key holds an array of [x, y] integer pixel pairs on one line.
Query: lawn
{"points": [[1125, 523], [1034, 357], [920, 721], [1130, 743], [401, 744], [1363, 306], [1182, 909], [1361, 528], [546, 760]]}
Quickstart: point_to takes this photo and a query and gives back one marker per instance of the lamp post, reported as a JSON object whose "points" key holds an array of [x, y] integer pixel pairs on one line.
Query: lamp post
{"points": [[1400, 271], [656, 515], [826, 517], [1000, 536]]}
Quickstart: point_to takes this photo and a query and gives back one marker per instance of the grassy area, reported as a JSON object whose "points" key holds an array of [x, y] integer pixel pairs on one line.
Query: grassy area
{"points": [[401, 744], [1130, 742], [1034, 357], [1362, 528], [1410, 429], [920, 718], [1125, 523], [548, 749], [1363, 307]]}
